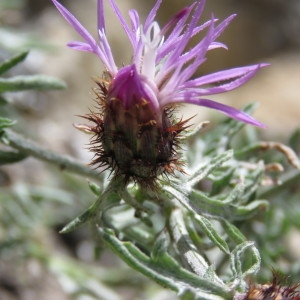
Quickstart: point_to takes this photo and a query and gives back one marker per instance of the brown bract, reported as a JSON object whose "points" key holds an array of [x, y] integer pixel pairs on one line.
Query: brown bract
{"points": [[273, 291]]}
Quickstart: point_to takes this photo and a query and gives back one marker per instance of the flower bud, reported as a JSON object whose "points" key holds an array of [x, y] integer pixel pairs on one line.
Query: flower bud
{"points": [[132, 138]]}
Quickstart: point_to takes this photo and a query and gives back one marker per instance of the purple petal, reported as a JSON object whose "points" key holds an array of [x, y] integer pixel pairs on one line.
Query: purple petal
{"points": [[100, 12], [227, 110], [203, 26], [187, 35], [76, 24], [234, 74], [76, 45], [135, 26], [180, 17], [224, 87], [122, 21], [199, 51], [135, 20], [187, 72], [103, 40], [222, 26], [197, 54], [178, 46], [174, 38], [152, 15], [230, 111], [105, 56], [216, 45]]}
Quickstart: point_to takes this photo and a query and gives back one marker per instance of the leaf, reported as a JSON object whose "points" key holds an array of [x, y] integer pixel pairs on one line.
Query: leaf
{"points": [[233, 232], [5, 123], [212, 234], [3, 100], [221, 182], [185, 245], [161, 245], [165, 270], [249, 210], [30, 82], [88, 215], [95, 188], [12, 61], [9, 157], [237, 257], [108, 199], [204, 205], [236, 194], [206, 169]]}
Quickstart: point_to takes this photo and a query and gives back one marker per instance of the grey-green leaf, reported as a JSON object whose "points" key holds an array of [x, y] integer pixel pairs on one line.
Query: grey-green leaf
{"points": [[30, 82], [5, 122], [9, 157], [233, 232], [211, 232], [78, 221], [3, 100], [241, 271], [12, 61], [95, 188], [165, 270]]}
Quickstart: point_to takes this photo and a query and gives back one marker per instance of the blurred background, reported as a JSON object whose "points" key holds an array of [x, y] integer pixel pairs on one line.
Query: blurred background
{"points": [[263, 31]]}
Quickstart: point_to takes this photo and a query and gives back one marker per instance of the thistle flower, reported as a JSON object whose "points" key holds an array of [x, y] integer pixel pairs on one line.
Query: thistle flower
{"points": [[136, 134]]}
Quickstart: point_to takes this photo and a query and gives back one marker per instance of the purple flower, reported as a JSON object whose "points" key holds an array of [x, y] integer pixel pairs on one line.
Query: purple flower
{"points": [[162, 69], [135, 133]]}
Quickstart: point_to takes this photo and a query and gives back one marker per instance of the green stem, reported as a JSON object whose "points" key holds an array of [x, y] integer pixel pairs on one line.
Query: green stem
{"points": [[64, 162], [108, 199]]}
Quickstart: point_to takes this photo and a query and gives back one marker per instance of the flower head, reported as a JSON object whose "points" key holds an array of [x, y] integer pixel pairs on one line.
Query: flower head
{"points": [[135, 130]]}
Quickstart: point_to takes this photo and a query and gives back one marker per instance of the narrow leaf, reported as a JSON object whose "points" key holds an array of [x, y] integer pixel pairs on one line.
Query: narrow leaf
{"points": [[34, 82], [5, 122], [95, 188], [161, 245], [185, 245], [212, 234], [238, 256], [233, 232], [206, 169], [9, 157], [249, 210], [78, 221], [12, 61], [3, 101], [165, 270], [108, 199]]}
